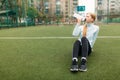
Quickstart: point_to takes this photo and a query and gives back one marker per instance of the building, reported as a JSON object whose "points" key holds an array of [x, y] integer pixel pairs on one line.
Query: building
{"points": [[108, 7], [63, 8], [55, 8], [114, 7]]}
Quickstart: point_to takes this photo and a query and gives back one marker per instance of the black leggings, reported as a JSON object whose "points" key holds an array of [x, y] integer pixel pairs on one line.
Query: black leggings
{"points": [[82, 48]]}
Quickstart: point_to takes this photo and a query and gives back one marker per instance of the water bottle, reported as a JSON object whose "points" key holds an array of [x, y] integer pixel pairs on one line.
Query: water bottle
{"points": [[78, 16]]}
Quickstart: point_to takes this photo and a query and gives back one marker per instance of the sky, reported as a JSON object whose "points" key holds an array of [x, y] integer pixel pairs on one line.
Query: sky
{"points": [[89, 5]]}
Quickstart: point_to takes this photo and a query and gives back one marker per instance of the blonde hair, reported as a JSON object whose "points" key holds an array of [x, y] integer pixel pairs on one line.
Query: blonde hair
{"points": [[93, 16]]}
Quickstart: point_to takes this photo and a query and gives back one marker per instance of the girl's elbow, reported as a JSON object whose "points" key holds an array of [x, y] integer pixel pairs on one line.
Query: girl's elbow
{"points": [[74, 35]]}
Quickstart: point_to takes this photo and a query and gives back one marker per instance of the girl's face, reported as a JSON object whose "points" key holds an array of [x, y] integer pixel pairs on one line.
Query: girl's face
{"points": [[89, 19]]}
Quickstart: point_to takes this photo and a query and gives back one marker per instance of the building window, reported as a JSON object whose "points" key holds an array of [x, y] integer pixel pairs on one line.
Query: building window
{"points": [[75, 0], [58, 7], [66, 2], [112, 1], [74, 3], [112, 9], [32, 1], [57, 0], [66, 5], [112, 5], [66, 12]]}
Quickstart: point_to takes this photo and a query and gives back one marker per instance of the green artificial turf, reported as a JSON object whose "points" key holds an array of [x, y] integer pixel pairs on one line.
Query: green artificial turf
{"points": [[50, 59]]}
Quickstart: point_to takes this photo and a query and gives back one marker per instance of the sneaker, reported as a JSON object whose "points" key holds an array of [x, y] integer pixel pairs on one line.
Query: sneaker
{"points": [[74, 67], [83, 68]]}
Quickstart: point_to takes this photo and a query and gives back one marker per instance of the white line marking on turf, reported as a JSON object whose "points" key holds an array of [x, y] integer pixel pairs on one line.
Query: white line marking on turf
{"points": [[36, 37], [101, 37], [108, 36]]}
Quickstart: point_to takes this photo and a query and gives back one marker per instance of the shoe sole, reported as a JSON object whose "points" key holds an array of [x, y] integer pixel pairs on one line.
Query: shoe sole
{"points": [[82, 70], [73, 70]]}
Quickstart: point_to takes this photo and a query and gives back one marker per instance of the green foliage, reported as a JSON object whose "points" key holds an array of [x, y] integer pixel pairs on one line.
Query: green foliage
{"points": [[116, 20], [32, 12], [111, 20]]}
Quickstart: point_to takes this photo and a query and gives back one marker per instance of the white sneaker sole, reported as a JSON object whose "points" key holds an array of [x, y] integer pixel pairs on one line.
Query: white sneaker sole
{"points": [[73, 70], [82, 70]]}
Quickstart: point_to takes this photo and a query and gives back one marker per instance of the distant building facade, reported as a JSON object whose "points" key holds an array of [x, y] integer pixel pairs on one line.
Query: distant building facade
{"points": [[63, 8], [109, 8]]}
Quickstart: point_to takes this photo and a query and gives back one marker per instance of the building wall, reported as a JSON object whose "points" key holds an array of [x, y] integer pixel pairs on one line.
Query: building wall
{"points": [[66, 7], [114, 7], [52, 8], [111, 6]]}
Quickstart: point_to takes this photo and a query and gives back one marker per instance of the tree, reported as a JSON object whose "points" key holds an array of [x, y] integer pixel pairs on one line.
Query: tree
{"points": [[32, 12]]}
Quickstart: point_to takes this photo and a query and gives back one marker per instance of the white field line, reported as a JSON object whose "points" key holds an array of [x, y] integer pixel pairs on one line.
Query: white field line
{"points": [[100, 37], [108, 36]]}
